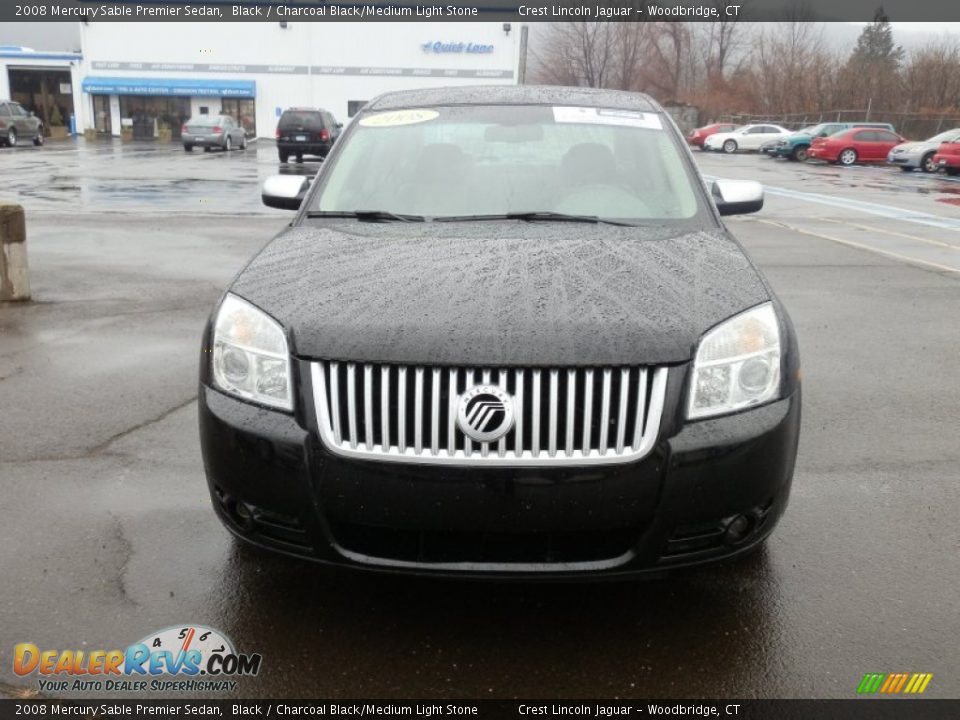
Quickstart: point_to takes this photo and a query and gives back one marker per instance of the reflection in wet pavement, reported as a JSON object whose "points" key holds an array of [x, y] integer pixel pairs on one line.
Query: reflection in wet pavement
{"points": [[113, 176]]}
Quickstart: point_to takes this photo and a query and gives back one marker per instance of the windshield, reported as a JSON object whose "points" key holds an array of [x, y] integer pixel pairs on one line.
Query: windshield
{"points": [[452, 162], [809, 130]]}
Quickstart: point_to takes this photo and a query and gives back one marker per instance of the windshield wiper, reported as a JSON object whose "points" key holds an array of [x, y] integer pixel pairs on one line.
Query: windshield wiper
{"points": [[534, 215], [365, 215]]}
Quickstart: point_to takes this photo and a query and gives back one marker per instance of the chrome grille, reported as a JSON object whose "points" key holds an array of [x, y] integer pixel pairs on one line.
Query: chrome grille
{"points": [[574, 416]]}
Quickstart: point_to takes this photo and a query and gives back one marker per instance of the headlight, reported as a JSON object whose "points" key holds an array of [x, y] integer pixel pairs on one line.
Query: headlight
{"points": [[250, 358], [737, 364]]}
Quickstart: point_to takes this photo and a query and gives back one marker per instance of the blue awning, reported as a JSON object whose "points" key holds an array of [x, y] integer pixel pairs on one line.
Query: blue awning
{"points": [[193, 87]]}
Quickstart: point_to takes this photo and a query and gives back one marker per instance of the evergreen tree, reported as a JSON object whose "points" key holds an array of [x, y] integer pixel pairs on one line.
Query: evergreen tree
{"points": [[875, 47], [873, 67]]}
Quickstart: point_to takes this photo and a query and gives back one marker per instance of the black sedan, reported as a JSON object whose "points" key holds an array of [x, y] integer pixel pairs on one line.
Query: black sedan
{"points": [[506, 334]]}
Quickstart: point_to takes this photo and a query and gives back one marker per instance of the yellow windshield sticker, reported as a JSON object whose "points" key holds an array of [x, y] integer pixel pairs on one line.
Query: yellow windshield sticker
{"points": [[398, 117]]}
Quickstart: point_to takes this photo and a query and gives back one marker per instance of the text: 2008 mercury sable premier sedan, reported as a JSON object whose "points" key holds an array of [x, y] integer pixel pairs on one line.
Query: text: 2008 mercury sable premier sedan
{"points": [[506, 334]]}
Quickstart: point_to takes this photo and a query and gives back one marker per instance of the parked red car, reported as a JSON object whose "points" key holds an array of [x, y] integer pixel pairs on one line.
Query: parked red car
{"points": [[948, 158], [856, 145], [696, 137]]}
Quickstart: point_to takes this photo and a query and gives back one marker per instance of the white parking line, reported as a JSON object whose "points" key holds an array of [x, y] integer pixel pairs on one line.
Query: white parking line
{"points": [[860, 246], [887, 211], [870, 228]]}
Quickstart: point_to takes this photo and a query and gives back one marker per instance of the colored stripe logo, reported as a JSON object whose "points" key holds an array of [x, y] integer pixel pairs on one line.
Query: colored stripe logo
{"points": [[894, 683]]}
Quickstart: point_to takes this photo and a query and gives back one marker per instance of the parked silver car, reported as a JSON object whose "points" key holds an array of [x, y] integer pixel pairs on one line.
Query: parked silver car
{"points": [[911, 155], [213, 131], [16, 123]]}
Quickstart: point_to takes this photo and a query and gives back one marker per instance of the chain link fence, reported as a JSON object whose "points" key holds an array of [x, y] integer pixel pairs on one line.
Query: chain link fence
{"points": [[915, 126]]}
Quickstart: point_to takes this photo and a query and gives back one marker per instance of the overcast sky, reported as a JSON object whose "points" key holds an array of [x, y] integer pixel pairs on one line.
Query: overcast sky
{"points": [[41, 36]]}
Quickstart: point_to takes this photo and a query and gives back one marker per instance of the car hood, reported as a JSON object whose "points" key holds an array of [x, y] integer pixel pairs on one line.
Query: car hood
{"points": [[499, 293], [915, 146]]}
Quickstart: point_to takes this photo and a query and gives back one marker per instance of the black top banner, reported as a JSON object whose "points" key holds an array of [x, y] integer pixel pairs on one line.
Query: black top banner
{"points": [[862, 709], [482, 10]]}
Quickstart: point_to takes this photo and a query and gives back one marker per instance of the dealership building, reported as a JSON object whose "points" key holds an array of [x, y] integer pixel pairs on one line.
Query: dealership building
{"points": [[153, 76]]}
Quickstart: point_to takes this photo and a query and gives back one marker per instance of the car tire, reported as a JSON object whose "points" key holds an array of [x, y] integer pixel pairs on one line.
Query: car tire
{"points": [[730, 147], [801, 153], [11, 138], [38, 138], [243, 143], [905, 168], [847, 157], [228, 144], [206, 148], [188, 148], [283, 156], [927, 164], [299, 159]]}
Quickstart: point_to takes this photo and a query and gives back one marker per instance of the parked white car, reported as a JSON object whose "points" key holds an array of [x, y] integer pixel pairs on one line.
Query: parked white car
{"points": [[746, 137]]}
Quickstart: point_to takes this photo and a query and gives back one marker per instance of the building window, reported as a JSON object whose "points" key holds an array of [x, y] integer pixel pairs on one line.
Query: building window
{"points": [[150, 112], [355, 106], [47, 93], [243, 111], [101, 114]]}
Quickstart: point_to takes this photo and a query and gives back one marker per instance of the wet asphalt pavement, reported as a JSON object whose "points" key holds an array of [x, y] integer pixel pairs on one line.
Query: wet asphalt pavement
{"points": [[107, 533]]}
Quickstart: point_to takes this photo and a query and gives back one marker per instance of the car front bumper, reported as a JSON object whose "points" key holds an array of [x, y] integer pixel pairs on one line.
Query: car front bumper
{"points": [[273, 483], [904, 160]]}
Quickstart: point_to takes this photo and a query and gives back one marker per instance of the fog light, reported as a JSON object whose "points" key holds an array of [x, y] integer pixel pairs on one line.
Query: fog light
{"points": [[737, 530]]}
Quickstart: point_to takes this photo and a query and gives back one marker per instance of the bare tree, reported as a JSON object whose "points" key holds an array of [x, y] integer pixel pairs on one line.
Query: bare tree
{"points": [[785, 63], [668, 49], [577, 53], [734, 67], [725, 38], [932, 75], [631, 44]]}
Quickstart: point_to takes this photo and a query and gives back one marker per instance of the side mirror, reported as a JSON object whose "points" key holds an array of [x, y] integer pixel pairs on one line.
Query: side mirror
{"points": [[339, 126], [737, 197], [284, 192]]}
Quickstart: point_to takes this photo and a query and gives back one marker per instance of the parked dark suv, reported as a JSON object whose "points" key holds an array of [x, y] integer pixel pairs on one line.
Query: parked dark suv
{"points": [[506, 333], [17, 124], [306, 131]]}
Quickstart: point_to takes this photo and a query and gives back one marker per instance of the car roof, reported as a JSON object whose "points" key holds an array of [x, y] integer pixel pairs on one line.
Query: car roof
{"points": [[514, 95], [304, 109]]}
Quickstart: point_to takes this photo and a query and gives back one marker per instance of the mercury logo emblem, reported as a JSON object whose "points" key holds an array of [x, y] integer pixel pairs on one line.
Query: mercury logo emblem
{"points": [[485, 413]]}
